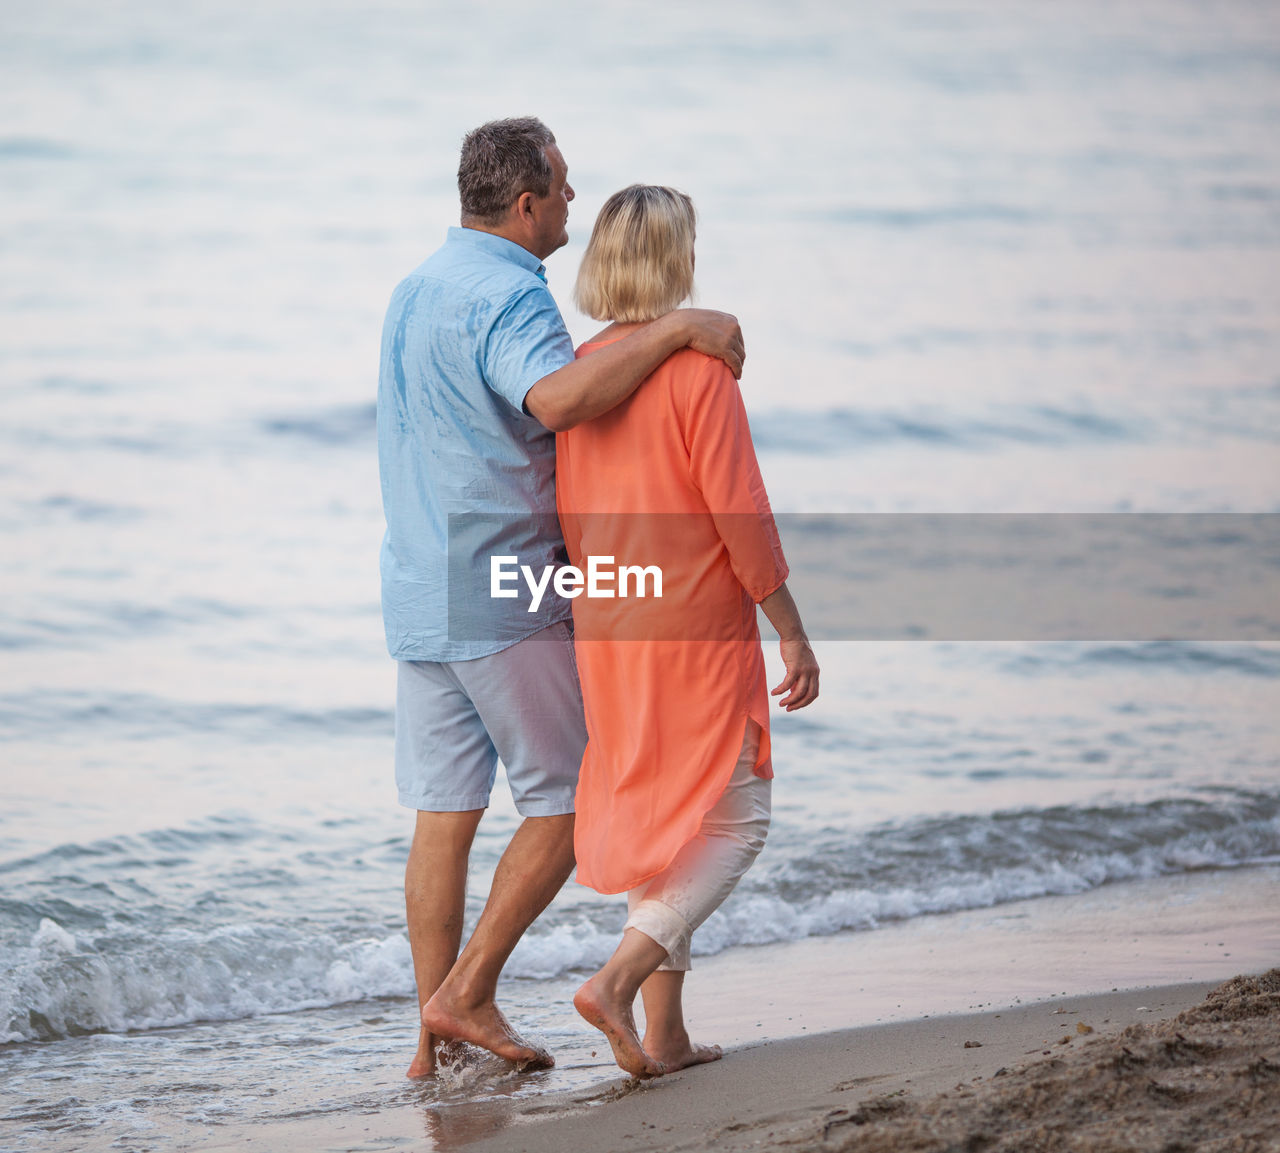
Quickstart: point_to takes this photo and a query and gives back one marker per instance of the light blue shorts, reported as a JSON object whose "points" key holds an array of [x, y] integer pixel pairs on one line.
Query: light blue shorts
{"points": [[455, 719]]}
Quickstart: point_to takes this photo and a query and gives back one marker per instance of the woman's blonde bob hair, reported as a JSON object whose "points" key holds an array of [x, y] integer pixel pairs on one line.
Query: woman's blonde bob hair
{"points": [[639, 260]]}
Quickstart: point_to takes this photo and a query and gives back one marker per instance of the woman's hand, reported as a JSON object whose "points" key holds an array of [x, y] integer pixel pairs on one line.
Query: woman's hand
{"points": [[801, 682]]}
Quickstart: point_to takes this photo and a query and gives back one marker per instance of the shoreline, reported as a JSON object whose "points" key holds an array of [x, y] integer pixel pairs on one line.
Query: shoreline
{"points": [[827, 1024], [1146, 1069], [777, 1092], [761, 1095]]}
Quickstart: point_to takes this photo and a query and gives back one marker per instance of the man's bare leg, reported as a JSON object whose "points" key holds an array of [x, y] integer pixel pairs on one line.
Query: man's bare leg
{"points": [[605, 1001], [665, 1037], [533, 869], [435, 893]]}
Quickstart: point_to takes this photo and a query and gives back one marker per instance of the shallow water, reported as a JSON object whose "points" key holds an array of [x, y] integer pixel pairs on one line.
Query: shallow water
{"points": [[988, 259]]}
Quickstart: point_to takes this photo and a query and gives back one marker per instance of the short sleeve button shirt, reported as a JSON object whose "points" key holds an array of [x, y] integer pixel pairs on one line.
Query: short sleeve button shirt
{"points": [[466, 472]]}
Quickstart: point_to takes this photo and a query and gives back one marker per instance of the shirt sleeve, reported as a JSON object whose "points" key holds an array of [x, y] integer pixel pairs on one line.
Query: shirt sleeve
{"points": [[526, 341], [722, 460], [570, 525]]}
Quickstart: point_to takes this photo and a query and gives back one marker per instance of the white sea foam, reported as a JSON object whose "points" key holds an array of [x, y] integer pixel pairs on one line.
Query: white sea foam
{"points": [[576, 944], [52, 989], [52, 938], [59, 984]]}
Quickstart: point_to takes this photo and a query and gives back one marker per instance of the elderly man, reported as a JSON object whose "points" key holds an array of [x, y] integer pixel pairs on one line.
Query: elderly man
{"points": [[477, 375]]}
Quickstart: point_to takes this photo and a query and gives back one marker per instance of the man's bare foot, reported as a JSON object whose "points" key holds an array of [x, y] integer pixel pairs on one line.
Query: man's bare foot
{"points": [[679, 1052], [613, 1018], [424, 1060], [482, 1025]]}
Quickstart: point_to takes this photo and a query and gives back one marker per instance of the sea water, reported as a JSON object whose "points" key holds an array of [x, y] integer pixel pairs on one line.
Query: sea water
{"points": [[989, 257]]}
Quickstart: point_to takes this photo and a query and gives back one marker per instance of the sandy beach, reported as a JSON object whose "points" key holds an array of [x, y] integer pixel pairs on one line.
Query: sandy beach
{"points": [[999, 267], [1157, 1069], [1180, 1067], [1056, 1056]]}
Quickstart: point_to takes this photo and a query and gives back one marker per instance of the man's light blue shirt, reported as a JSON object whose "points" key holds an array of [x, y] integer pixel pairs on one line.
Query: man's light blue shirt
{"points": [[466, 472]]}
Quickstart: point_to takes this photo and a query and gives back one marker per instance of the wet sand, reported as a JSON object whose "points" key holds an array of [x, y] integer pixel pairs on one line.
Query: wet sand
{"points": [[1184, 1067], [1159, 1070], [996, 1009]]}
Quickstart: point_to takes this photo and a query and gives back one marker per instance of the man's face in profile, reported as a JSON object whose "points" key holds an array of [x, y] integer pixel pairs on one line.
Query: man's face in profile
{"points": [[553, 209]]}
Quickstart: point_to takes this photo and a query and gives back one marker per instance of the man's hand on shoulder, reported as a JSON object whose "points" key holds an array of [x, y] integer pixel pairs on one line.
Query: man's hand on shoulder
{"points": [[716, 334], [592, 385]]}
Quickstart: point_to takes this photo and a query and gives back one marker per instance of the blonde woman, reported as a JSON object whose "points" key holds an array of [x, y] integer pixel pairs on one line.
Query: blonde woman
{"points": [[673, 798]]}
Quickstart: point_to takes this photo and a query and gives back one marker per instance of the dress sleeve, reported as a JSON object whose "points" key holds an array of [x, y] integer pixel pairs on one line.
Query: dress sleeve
{"points": [[526, 341], [723, 464]]}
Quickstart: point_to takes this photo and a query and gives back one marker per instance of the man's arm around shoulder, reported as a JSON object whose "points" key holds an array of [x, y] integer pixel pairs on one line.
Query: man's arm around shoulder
{"points": [[592, 385]]}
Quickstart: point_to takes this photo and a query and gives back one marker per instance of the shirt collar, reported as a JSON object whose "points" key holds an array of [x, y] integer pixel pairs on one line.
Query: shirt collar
{"points": [[500, 247]]}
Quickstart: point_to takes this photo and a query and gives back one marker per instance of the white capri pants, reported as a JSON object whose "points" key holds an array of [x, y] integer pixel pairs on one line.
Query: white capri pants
{"points": [[673, 904]]}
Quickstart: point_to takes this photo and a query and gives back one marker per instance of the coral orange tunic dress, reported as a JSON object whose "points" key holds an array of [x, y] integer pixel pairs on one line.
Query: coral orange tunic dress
{"points": [[667, 479]]}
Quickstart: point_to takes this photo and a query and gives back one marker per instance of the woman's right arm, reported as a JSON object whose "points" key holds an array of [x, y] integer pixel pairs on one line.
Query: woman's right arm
{"points": [[801, 682], [723, 463]]}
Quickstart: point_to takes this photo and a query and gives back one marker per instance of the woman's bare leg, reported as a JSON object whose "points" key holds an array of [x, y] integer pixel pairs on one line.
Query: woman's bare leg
{"points": [[668, 909], [665, 1037], [605, 1001]]}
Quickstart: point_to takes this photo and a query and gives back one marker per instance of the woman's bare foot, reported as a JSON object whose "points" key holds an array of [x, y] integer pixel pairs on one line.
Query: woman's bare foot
{"points": [[679, 1052], [612, 1015], [482, 1025]]}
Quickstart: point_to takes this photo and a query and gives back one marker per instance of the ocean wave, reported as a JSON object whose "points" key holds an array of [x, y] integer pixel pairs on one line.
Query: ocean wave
{"points": [[1176, 657], [839, 431], [329, 427], [72, 621], [954, 864], [816, 886], [66, 505], [1033, 852], [66, 382], [172, 442], [337, 425], [830, 432], [145, 716], [1249, 412], [34, 148], [120, 854], [67, 976], [931, 216], [62, 985]]}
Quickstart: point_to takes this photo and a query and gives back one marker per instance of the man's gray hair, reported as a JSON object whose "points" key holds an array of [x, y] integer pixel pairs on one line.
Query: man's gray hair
{"points": [[501, 160]]}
